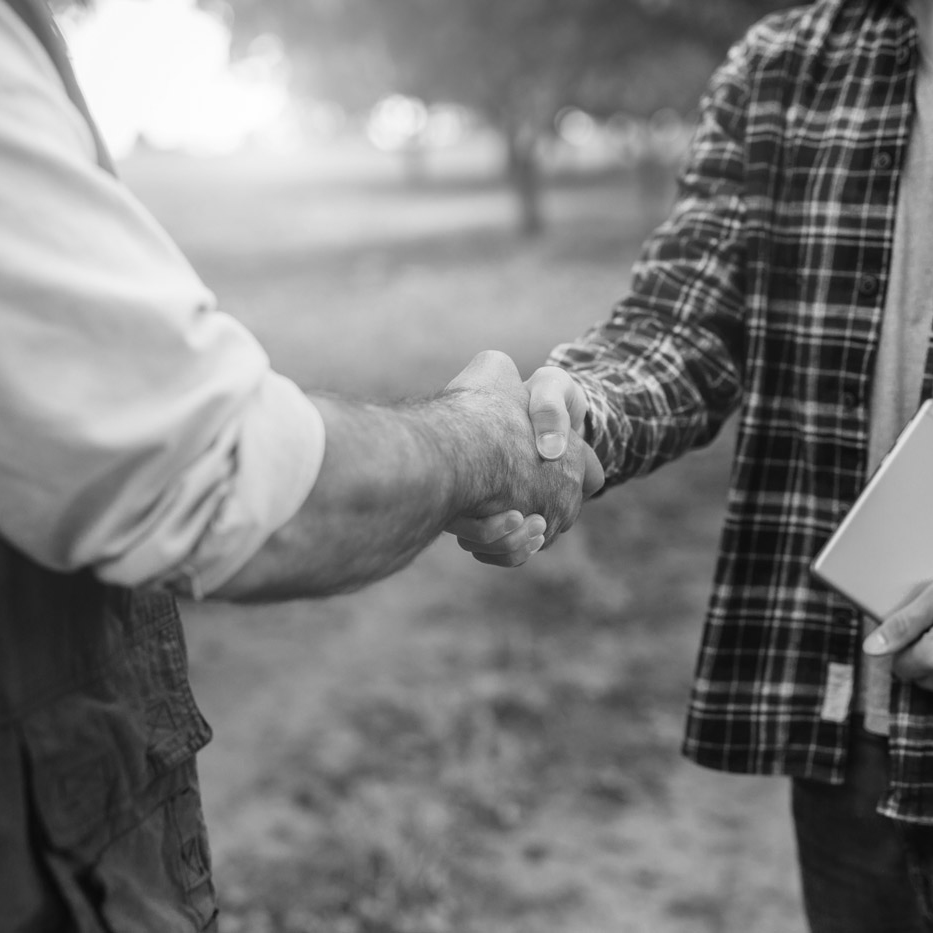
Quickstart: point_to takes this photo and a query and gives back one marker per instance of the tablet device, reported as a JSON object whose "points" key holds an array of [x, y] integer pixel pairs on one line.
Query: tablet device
{"points": [[881, 555]]}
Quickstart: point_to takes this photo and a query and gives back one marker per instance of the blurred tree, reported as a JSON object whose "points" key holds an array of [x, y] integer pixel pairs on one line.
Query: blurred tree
{"points": [[518, 62]]}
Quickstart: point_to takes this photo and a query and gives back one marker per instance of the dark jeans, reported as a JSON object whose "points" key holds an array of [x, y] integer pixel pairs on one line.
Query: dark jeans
{"points": [[861, 872]]}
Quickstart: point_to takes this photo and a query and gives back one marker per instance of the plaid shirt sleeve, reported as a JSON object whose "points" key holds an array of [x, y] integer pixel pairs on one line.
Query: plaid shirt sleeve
{"points": [[767, 286], [664, 371]]}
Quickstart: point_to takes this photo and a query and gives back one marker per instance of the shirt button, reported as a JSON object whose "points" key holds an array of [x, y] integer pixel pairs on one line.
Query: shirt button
{"points": [[882, 160], [843, 617], [849, 401], [868, 284], [902, 54]]}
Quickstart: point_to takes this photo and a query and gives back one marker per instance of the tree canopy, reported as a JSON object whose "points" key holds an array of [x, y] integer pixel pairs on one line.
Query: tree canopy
{"points": [[531, 56], [518, 63]]}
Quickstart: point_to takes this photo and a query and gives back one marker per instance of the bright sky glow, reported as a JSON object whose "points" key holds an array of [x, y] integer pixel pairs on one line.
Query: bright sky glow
{"points": [[162, 71], [398, 122]]}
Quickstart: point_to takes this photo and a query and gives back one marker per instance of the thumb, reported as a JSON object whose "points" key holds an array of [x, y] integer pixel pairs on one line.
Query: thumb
{"points": [[903, 627], [556, 406]]}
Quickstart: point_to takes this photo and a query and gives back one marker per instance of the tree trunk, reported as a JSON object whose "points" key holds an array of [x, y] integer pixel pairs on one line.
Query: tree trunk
{"points": [[524, 176]]}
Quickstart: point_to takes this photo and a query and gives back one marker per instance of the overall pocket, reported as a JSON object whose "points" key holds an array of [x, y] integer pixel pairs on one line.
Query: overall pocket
{"points": [[114, 783]]}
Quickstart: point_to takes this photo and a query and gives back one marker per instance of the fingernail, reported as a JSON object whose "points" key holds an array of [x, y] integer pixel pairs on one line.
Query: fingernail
{"points": [[537, 527], [876, 642], [551, 445], [535, 544]]}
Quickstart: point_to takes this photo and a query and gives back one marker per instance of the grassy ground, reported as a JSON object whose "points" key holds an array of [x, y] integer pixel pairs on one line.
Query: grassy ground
{"points": [[461, 748]]}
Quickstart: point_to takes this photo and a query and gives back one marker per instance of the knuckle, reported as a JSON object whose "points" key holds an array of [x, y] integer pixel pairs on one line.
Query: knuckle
{"points": [[545, 407], [484, 533], [547, 373], [899, 628]]}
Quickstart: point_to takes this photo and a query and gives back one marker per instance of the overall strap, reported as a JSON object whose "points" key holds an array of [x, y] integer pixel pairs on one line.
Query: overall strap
{"points": [[38, 17]]}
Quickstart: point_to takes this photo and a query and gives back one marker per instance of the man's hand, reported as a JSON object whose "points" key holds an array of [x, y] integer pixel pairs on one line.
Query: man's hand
{"points": [[557, 408], [553, 489], [907, 637], [507, 539], [393, 477]]}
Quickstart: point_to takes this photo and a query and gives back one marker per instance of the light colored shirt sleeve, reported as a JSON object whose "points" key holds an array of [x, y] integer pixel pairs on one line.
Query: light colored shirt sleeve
{"points": [[143, 433]]}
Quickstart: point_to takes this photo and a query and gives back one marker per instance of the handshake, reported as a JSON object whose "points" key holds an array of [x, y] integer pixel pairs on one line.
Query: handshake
{"points": [[532, 471], [495, 461]]}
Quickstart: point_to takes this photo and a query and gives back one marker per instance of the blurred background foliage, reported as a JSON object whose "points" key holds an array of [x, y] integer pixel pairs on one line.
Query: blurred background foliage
{"points": [[518, 64], [417, 71]]}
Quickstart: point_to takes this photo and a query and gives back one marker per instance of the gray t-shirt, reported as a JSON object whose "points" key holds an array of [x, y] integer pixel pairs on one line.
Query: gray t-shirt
{"points": [[905, 328]]}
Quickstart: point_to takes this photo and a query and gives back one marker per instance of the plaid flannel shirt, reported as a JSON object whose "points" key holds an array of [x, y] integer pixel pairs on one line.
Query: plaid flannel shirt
{"points": [[764, 292]]}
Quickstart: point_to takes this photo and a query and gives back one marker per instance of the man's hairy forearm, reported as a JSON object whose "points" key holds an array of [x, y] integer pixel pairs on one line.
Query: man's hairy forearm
{"points": [[391, 480], [393, 477]]}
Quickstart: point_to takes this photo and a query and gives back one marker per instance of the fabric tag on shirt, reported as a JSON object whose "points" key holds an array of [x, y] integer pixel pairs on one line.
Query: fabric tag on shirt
{"points": [[838, 697]]}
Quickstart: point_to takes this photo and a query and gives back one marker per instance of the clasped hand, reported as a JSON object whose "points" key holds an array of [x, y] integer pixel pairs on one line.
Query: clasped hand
{"points": [[551, 470]]}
